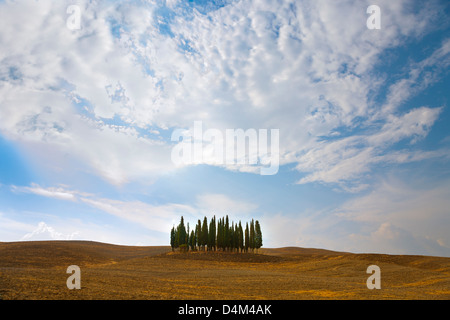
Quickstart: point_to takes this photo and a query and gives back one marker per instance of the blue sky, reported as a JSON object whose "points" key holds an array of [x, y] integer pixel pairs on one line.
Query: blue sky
{"points": [[87, 115]]}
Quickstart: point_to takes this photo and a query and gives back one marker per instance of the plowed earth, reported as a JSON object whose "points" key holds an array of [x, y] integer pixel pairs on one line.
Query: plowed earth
{"points": [[37, 270]]}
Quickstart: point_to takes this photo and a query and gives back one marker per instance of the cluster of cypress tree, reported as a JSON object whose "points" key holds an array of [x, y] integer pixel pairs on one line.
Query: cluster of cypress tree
{"points": [[214, 236]]}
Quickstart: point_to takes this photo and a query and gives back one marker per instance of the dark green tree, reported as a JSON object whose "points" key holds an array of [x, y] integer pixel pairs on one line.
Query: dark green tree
{"points": [[172, 238], [192, 241], [181, 233], [241, 237], [236, 238], [205, 233], [219, 235], [252, 235], [199, 237], [227, 233], [247, 238], [212, 234], [258, 236]]}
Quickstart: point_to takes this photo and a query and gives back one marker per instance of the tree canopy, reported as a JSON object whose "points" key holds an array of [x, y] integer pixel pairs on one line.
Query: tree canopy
{"points": [[218, 235]]}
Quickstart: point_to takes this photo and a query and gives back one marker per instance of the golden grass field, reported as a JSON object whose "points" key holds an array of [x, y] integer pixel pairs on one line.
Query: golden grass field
{"points": [[37, 270]]}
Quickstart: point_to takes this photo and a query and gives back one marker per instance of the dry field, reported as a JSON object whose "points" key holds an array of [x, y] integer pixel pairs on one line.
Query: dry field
{"points": [[37, 270]]}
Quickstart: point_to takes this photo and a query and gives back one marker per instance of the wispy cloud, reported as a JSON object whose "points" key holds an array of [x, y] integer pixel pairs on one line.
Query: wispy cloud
{"points": [[153, 217], [157, 217], [162, 217], [57, 193]]}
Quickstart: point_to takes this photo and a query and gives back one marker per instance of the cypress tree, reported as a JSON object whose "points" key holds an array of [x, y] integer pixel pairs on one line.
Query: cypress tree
{"points": [[258, 236], [205, 233], [247, 238], [218, 243], [236, 244], [212, 232], [241, 237], [252, 235], [199, 237], [187, 237], [227, 233], [232, 237], [218, 236], [172, 238], [220, 233], [211, 236], [192, 240], [181, 233]]}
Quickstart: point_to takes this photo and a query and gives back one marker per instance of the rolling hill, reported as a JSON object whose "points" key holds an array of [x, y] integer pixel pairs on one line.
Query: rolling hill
{"points": [[37, 270]]}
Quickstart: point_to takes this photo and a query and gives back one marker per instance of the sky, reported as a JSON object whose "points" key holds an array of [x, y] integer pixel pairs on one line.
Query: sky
{"points": [[92, 94]]}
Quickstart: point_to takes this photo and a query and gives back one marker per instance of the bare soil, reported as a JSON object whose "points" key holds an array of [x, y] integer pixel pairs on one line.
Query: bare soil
{"points": [[37, 270]]}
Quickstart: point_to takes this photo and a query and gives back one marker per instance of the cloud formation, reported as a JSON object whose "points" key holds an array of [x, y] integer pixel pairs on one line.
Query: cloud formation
{"points": [[45, 232], [107, 93], [155, 217]]}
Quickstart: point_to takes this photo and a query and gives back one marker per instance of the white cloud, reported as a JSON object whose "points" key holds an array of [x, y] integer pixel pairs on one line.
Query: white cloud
{"points": [[387, 231], [45, 232], [346, 159], [162, 217], [302, 67], [421, 75], [57, 193], [13, 228], [153, 217], [38, 107], [400, 218], [156, 217]]}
